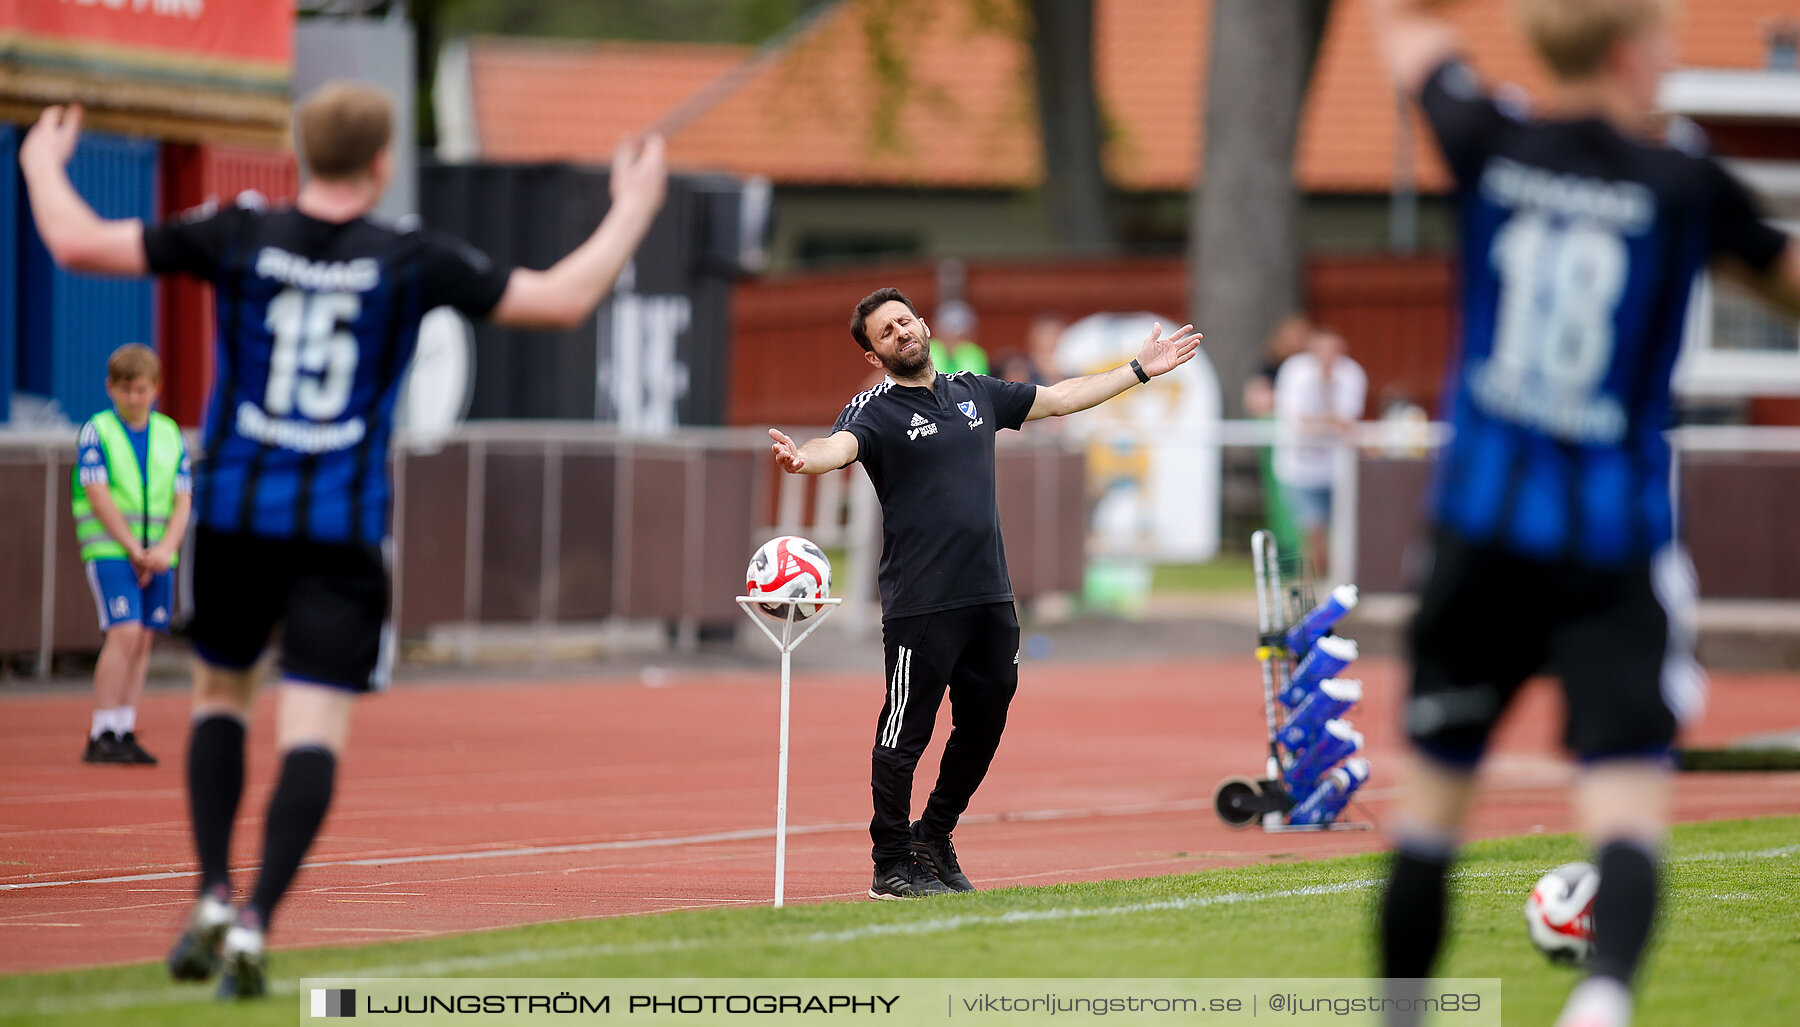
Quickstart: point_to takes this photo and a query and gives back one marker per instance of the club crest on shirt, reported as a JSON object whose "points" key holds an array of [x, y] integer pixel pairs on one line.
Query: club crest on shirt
{"points": [[968, 410]]}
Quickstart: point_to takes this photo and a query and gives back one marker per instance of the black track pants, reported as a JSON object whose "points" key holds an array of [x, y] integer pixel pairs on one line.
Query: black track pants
{"points": [[974, 652]]}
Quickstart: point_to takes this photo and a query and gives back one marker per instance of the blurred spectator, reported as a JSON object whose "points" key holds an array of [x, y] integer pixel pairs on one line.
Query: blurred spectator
{"points": [[1014, 366], [953, 345], [1288, 338], [1040, 346], [1319, 393]]}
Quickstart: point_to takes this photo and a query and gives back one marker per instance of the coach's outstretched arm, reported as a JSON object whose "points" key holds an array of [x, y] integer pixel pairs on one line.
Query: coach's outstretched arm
{"points": [[1157, 356], [78, 239], [815, 456], [565, 294]]}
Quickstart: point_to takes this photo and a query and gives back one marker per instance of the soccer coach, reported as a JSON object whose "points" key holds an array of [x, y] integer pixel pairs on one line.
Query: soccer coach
{"points": [[927, 442]]}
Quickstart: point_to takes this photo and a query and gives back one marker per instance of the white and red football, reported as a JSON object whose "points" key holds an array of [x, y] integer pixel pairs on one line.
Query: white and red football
{"points": [[1559, 915], [789, 567]]}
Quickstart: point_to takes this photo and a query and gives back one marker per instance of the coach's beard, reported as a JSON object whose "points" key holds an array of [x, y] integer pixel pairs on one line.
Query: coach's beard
{"points": [[902, 367]]}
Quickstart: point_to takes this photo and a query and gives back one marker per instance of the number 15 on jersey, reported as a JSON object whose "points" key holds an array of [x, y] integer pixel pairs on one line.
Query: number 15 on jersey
{"points": [[313, 363]]}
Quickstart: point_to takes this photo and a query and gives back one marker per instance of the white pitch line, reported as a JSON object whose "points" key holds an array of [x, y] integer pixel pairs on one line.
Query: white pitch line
{"points": [[439, 967], [1709, 857], [711, 837], [491, 961]]}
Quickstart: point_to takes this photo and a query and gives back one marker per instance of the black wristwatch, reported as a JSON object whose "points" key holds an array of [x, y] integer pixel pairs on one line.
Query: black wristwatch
{"points": [[1138, 369]]}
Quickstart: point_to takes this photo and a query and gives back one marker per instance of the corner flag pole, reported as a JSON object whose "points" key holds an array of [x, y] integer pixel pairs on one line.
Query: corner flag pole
{"points": [[787, 641]]}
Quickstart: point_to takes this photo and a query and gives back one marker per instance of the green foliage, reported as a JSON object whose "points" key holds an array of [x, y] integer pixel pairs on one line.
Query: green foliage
{"points": [[888, 29], [1724, 953]]}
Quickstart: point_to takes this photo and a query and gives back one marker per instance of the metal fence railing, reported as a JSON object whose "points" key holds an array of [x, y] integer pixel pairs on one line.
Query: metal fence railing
{"points": [[547, 523]]}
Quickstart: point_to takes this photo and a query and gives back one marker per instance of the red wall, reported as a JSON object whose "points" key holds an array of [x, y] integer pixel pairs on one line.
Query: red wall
{"points": [[793, 361], [1775, 410], [1752, 139], [194, 175]]}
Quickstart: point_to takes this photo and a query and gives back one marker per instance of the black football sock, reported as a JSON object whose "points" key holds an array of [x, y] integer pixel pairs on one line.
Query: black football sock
{"points": [[295, 812], [215, 780], [1624, 909], [1413, 909]]}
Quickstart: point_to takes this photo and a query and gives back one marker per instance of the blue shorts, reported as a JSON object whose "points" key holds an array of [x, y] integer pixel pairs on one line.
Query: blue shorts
{"points": [[121, 601], [1309, 507]]}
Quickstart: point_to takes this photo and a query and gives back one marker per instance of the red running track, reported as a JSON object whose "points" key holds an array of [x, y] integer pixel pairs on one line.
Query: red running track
{"points": [[465, 806]]}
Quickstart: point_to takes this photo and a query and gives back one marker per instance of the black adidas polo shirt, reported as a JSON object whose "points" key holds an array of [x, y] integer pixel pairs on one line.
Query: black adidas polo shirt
{"points": [[930, 453]]}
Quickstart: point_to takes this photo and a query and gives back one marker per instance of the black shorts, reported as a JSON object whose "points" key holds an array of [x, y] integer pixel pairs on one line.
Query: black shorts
{"points": [[331, 600], [1621, 640]]}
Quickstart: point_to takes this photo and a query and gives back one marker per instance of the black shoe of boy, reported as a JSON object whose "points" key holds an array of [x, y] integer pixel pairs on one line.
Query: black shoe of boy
{"points": [[133, 752], [104, 748]]}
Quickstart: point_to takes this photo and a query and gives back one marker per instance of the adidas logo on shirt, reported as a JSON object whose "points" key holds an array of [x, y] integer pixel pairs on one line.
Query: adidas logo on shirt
{"points": [[920, 427]]}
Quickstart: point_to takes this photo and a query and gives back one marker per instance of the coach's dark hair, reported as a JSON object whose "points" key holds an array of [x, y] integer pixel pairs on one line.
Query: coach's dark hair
{"points": [[868, 306]]}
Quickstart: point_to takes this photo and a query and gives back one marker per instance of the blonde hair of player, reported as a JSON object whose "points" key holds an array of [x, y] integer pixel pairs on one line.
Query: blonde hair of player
{"points": [[1574, 37], [341, 128]]}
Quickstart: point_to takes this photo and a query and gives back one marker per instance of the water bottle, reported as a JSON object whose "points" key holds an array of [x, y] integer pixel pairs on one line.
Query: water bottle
{"points": [[1332, 794], [1316, 624], [1336, 742], [1331, 700], [1328, 656]]}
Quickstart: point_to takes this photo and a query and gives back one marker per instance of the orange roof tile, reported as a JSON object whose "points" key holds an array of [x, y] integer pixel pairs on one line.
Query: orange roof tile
{"points": [[556, 100], [1149, 66], [815, 111], [1348, 130], [805, 110]]}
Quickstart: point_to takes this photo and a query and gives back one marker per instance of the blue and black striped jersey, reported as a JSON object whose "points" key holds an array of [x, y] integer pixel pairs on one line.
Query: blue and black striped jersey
{"points": [[1579, 248], [316, 323]]}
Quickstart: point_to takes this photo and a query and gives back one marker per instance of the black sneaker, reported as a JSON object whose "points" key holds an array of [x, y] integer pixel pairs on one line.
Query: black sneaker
{"points": [[937, 855], [905, 879], [104, 749], [241, 957], [133, 752], [195, 956]]}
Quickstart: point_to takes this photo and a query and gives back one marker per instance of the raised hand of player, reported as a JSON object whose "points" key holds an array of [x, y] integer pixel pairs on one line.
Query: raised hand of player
{"points": [[787, 455], [640, 171], [1160, 355], [52, 140]]}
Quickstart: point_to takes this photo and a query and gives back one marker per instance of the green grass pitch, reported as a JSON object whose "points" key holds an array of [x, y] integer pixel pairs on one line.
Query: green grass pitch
{"points": [[1726, 952]]}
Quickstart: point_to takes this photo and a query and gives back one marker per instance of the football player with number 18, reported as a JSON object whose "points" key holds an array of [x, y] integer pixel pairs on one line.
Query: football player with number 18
{"points": [[1583, 225]]}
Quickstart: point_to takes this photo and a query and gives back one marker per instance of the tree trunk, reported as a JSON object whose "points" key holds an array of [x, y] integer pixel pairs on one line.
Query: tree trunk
{"points": [[1244, 261], [1062, 48]]}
